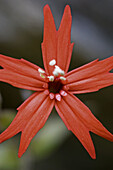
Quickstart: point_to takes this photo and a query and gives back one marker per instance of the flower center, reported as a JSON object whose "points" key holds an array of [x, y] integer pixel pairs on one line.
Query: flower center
{"points": [[55, 86]]}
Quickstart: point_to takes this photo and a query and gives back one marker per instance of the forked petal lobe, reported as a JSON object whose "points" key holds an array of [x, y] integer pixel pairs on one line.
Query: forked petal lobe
{"points": [[49, 45], [57, 44], [64, 46], [76, 126], [25, 113], [85, 115], [79, 119], [91, 84], [91, 77], [20, 73], [35, 124], [20, 66]]}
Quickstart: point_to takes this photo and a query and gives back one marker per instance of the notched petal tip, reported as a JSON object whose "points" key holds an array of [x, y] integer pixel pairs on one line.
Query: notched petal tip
{"points": [[93, 155], [35, 123], [46, 8], [19, 155], [67, 9], [110, 136]]}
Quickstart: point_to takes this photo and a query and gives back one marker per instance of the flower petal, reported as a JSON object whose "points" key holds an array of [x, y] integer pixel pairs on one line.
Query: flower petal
{"points": [[64, 46], [20, 73], [76, 115], [56, 44], [25, 113], [35, 124], [76, 126], [49, 45], [91, 77], [91, 84]]}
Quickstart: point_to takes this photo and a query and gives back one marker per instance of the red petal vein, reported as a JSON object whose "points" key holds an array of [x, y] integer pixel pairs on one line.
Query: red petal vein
{"points": [[20, 66], [79, 119], [57, 44], [49, 45], [74, 124], [91, 84], [20, 81], [64, 46], [85, 115], [89, 70], [25, 113], [20, 73], [91, 77], [35, 124]]}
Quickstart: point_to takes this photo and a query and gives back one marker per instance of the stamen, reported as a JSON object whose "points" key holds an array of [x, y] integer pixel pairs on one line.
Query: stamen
{"points": [[41, 71], [55, 73], [51, 95], [45, 85], [41, 75], [63, 93], [52, 62], [66, 87], [51, 78], [58, 70], [62, 72], [46, 92], [58, 97], [62, 78]]}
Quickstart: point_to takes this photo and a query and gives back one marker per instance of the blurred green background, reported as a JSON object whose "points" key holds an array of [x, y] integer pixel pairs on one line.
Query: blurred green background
{"points": [[21, 34]]}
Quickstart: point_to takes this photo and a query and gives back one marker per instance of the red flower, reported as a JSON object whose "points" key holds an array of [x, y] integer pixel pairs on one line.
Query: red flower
{"points": [[55, 86]]}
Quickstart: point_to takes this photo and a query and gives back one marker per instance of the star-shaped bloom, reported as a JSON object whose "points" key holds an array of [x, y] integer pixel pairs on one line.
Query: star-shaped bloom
{"points": [[55, 87]]}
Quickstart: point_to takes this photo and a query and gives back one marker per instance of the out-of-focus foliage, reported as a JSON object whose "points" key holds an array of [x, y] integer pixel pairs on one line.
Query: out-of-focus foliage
{"points": [[50, 138], [8, 158], [6, 118]]}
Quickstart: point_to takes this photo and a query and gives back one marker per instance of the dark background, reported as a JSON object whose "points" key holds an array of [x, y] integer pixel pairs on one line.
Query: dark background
{"points": [[21, 34]]}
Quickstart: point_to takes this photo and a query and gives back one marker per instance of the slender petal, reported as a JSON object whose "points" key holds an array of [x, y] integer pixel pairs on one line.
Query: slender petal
{"points": [[91, 84], [20, 66], [20, 73], [35, 124], [76, 126], [56, 44], [77, 118], [49, 45], [25, 113], [91, 77], [64, 46]]}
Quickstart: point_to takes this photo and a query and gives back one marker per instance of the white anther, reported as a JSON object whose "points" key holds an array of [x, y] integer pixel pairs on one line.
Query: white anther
{"points": [[41, 71], [52, 62], [51, 78], [57, 67], [62, 78], [58, 97], [59, 70], [46, 91], [62, 72], [55, 73], [51, 95], [41, 75], [63, 93]]}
